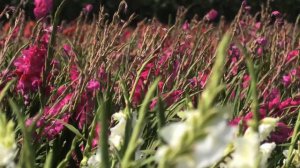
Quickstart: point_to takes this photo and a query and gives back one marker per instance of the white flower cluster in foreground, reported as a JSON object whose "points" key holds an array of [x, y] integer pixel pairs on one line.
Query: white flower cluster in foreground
{"points": [[116, 137], [95, 160], [249, 152], [207, 145], [117, 132], [211, 147], [203, 152], [7, 142], [296, 156]]}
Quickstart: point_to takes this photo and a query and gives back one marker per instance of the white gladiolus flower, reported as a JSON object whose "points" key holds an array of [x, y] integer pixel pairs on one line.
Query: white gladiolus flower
{"points": [[211, 148], [267, 125], [95, 160], [118, 131], [7, 143], [248, 151], [204, 152], [7, 155], [173, 133]]}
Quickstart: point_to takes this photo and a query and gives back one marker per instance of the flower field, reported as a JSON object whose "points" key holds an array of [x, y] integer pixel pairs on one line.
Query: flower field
{"points": [[103, 93]]}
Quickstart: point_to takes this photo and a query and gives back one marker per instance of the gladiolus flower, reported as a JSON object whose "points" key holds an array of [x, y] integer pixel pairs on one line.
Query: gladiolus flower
{"points": [[286, 80], [42, 8], [93, 85], [29, 67], [276, 13], [211, 15], [88, 8], [292, 54]]}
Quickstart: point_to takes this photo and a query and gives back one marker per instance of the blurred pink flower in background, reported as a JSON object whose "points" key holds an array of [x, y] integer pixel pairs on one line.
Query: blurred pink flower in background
{"points": [[211, 15], [276, 13], [88, 8], [286, 80], [42, 8], [292, 54]]}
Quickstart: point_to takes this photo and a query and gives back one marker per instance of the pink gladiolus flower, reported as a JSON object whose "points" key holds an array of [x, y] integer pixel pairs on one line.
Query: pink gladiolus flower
{"points": [[292, 54], [211, 15], [88, 8], [262, 41], [186, 25], [286, 80], [272, 99], [93, 85], [168, 99], [276, 13], [234, 53], [200, 80], [260, 51], [29, 67], [257, 25], [96, 136], [83, 110], [74, 74], [141, 85], [42, 8], [282, 133], [246, 81]]}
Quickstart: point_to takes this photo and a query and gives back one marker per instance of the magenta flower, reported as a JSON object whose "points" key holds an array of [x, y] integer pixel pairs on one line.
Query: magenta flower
{"points": [[186, 25], [83, 111], [234, 53], [168, 98], [95, 140], [246, 81], [93, 85], [88, 8], [29, 67], [42, 8], [211, 15], [276, 13], [55, 127], [74, 74], [257, 25], [259, 51], [200, 80], [286, 80], [282, 133], [262, 41], [142, 84], [292, 54]]}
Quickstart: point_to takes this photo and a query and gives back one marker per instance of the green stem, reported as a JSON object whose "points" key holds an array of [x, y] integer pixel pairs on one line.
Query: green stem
{"points": [[104, 133], [64, 162], [50, 50], [294, 140], [139, 126]]}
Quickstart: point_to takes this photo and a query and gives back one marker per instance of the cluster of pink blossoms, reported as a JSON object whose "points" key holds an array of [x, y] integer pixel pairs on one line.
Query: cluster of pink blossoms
{"points": [[42, 8], [29, 68]]}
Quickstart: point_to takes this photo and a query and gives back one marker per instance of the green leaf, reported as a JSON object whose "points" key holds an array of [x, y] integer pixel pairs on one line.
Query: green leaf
{"points": [[73, 129]]}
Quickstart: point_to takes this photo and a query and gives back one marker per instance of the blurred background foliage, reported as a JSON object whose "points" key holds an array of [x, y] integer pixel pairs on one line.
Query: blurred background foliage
{"points": [[165, 10]]}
